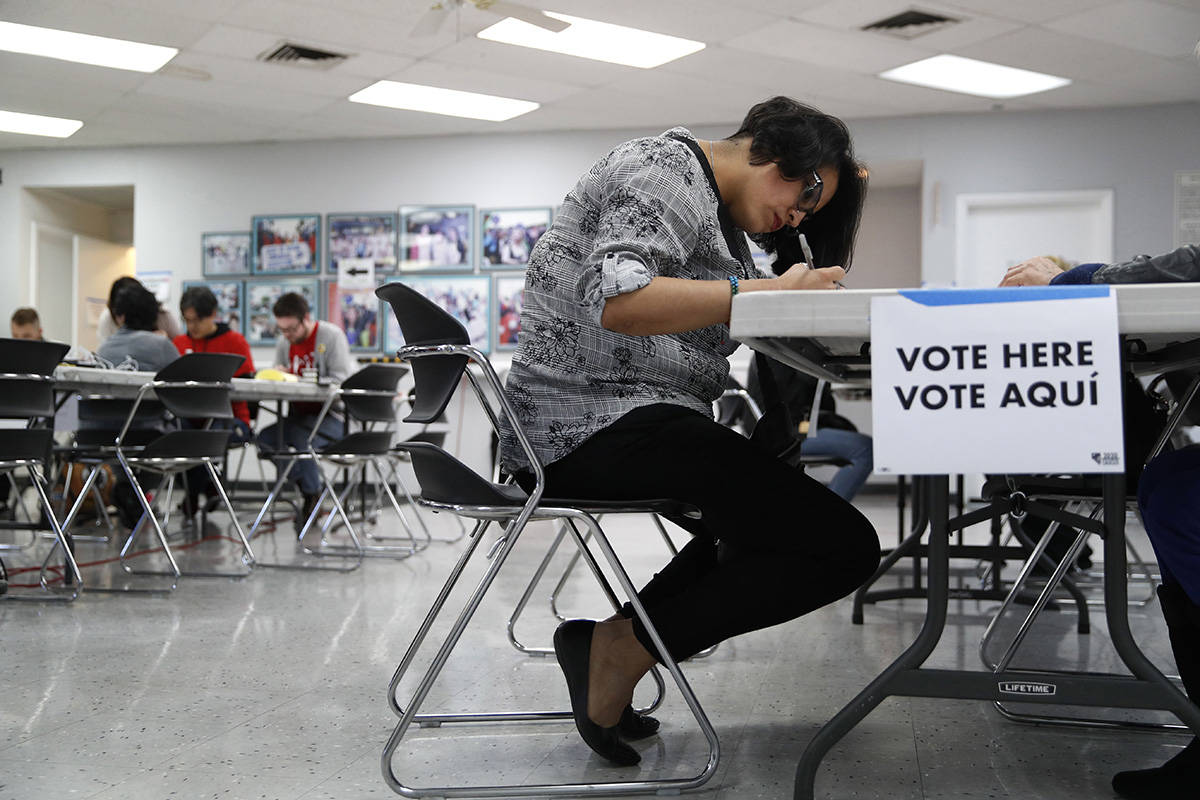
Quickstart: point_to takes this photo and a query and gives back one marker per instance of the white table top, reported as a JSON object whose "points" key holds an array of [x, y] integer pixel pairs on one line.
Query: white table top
{"points": [[812, 330], [88, 380]]}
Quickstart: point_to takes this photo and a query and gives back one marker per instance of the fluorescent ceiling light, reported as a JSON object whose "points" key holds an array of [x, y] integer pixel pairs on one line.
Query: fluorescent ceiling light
{"points": [[83, 48], [966, 75], [601, 41], [453, 103], [37, 125]]}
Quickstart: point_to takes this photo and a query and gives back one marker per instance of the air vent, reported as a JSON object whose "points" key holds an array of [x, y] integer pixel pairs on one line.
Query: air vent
{"points": [[911, 24], [297, 55]]}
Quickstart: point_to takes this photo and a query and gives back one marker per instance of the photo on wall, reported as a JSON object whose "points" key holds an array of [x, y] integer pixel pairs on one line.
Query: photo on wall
{"points": [[260, 299], [506, 235], [231, 301], [466, 297], [286, 244], [509, 291], [436, 238], [225, 253], [357, 312], [365, 235]]}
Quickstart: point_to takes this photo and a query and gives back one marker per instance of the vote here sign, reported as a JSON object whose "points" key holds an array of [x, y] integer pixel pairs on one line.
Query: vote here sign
{"points": [[1021, 380]]}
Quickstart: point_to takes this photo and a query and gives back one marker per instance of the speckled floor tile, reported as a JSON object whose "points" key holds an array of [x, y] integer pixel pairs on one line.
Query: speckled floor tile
{"points": [[274, 687]]}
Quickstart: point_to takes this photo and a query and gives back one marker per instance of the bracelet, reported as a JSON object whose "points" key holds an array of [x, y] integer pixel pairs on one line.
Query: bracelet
{"points": [[733, 285]]}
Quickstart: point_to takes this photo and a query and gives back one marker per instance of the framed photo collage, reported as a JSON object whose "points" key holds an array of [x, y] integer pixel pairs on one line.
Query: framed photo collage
{"points": [[469, 261]]}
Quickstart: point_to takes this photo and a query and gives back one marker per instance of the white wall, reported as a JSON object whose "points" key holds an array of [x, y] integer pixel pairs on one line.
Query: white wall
{"points": [[183, 191]]}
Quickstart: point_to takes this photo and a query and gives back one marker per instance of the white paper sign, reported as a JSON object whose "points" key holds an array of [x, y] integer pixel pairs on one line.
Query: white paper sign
{"points": [[1021, 380], [356, 273]]}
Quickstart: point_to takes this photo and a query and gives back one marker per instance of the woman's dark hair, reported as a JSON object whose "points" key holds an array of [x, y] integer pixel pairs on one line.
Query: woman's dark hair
{"points": [[118, 285], [800, 139], [137, 305], [291, 304], [201, 300]]}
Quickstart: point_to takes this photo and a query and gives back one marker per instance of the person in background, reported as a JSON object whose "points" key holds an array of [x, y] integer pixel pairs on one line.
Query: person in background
{"points": [[306, 346], [198, 308], [836, 436], [25, 324], [1169, 503], [135, 311], [164, 322]]}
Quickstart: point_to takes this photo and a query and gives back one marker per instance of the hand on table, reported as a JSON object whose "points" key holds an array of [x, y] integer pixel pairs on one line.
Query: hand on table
{"points": [[1034, 272]]}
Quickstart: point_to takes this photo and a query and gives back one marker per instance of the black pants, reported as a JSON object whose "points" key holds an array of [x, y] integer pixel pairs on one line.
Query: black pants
{"points": [[772, 543]]}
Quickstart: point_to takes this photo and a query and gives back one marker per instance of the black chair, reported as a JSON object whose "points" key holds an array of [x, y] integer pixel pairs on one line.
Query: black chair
{"points": [[27, 395], [439, 349], [368, 398], [195, 388]]}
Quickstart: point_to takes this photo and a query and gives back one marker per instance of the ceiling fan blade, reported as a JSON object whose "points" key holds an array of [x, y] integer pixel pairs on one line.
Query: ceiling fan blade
{"points": [[525, 14], [431, 21]]}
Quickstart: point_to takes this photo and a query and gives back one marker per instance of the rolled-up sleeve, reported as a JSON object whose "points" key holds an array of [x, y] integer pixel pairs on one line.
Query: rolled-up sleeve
{"points": [[648, 225]]}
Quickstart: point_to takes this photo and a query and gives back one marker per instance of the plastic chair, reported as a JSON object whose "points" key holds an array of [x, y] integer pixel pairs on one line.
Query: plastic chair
{"points": [[368, 397], [27, 394], [195, 386], [439, 349]]}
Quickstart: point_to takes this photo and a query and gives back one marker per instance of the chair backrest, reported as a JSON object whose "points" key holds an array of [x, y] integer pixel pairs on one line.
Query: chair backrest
{"points": [[378, 379], [424, 323], [198, 402], [28, 392]]}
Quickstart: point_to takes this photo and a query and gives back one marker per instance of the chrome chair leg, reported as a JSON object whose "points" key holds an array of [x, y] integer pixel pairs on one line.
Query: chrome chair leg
{"points": [[60, 542], [410, 714]]}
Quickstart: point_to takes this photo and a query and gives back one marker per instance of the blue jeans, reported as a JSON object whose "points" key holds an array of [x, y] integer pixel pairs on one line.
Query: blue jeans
{"points": [[1169, 502], [293, 433], [854, 447]]}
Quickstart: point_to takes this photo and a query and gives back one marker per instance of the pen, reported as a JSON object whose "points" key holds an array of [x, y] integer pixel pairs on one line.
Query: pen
{"points": [[808, 256]]}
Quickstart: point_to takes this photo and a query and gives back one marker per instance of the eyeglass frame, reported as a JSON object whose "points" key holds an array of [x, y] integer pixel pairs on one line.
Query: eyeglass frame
{"points": [[817, 186]]}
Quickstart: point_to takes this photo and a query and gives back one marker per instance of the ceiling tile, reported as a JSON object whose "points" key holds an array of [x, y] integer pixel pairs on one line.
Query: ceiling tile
{"points": [[452, 76], [225, 93], [814, 44], [139, 24], [1037, 11], [1151, 27], [523, 61]]}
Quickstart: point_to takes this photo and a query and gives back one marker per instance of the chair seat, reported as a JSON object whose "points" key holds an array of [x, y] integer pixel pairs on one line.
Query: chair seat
{"points": [[1081, 486], [25, 444], [360, 443], [195, 445], [446, 480]]}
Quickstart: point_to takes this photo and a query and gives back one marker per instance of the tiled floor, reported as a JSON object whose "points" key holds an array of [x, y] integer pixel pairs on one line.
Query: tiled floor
{"points": [[274, 687]]}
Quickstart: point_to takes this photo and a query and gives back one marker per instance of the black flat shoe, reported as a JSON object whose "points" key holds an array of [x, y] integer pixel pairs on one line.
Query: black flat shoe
{"points": [[634, 726], [572, 648]]}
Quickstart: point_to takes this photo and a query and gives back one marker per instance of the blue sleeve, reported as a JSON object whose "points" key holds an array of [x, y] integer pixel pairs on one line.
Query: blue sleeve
{"points": [[1080, 274]]}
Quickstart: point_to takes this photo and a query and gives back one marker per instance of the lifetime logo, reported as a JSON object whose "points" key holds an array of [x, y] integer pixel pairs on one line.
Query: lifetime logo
{"points": [[1021, 687]]}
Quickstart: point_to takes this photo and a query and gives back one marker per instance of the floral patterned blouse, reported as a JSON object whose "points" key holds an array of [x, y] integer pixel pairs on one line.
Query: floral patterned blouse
{"points": [[650, 207]]}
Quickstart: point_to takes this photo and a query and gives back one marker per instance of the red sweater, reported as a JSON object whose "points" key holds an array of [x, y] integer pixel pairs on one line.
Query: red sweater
{"points": [[223, 340]]}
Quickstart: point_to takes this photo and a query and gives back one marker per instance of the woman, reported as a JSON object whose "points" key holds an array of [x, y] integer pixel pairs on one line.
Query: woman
{"points": [[107, 325], [623, 347]]}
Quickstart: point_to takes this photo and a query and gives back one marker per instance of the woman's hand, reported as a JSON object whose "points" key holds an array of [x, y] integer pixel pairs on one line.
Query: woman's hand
{"points": [[1034, 272], [799, 276]]}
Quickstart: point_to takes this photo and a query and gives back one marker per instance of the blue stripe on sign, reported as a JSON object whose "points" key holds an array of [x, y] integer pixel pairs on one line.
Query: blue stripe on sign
{"points": [[1007, 294]]}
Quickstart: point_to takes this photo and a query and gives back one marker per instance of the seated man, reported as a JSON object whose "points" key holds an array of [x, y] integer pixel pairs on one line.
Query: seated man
{"points": [[25, 324], [198, 307], [305, 345]]}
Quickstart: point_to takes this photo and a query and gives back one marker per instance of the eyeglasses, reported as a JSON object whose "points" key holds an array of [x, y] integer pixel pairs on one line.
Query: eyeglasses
{"points": [[810, 198], [288, 330]]}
